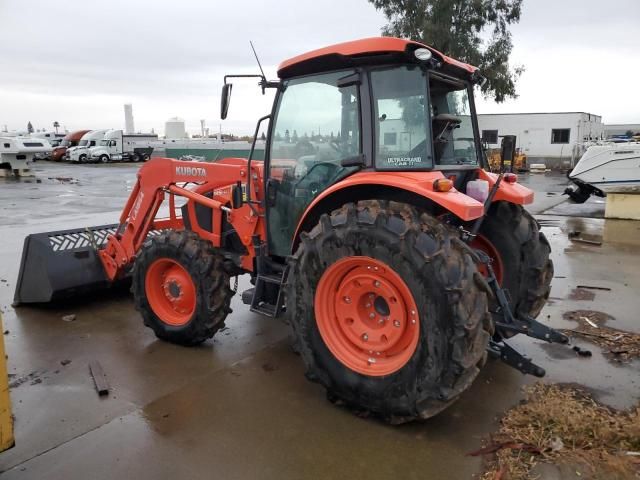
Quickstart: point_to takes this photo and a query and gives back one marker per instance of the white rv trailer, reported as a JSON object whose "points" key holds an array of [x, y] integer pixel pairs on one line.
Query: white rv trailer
{"points": [[17, 153]]}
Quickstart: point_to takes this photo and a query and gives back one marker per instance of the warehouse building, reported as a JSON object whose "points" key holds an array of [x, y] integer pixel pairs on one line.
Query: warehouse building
{"points": [[555, 139]]}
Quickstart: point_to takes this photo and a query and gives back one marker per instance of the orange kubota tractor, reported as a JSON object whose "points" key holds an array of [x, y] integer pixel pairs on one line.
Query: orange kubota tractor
{"points": [[364, 225]]}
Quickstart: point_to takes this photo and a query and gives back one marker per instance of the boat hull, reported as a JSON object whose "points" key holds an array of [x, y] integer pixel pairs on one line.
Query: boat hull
{"points": [[607, 169]]}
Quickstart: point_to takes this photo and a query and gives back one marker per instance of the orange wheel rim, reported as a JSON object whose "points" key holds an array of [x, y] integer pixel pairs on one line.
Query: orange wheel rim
{"points": [[170, 291], [483, 244], [367, 316]]}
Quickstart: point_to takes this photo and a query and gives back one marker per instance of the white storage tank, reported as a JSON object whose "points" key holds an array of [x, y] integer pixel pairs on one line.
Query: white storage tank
{"points": [[174, 128]]}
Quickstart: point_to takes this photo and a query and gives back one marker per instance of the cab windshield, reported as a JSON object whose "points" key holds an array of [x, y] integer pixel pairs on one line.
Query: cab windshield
{"points": [[453, 137], [65, 143], [420, 128], [401, 119]]}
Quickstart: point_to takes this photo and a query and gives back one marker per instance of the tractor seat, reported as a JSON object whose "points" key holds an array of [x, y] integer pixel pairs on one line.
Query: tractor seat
{"points": [[442, 124]]}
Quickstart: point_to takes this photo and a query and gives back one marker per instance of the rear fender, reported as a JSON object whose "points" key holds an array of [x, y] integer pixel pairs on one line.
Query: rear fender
{"points": [[416, 187], [510, 192]]}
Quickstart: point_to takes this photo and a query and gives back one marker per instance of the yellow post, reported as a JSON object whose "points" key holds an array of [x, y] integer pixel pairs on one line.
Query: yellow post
{"points": [[623, 205], [6, 420]]}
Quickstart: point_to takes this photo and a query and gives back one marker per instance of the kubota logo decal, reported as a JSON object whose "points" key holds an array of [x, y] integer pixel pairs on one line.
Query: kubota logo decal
{"points": [[191, 171], [136, 206]]}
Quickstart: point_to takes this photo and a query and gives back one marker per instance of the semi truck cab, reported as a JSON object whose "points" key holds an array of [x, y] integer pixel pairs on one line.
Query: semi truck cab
{"points": [[119, 147]]}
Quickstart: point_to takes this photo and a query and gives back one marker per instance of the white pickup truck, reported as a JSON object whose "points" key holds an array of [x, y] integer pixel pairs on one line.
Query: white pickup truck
{"points": [[118, 147]]}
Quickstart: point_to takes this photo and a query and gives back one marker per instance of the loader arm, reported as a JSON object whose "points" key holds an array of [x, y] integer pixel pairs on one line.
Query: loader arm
{"points": [[159, 178]]}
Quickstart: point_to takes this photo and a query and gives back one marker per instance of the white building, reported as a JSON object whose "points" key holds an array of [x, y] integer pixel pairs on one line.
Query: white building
{"points": [[174, 128], [555, 139]]}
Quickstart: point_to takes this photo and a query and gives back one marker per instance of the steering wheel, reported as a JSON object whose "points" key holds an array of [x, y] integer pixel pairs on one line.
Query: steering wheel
{"points": [[317, 184], [335, 145]]}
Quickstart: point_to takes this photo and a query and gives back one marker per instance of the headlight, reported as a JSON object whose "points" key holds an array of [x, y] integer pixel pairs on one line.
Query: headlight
{"points": [[422, 54]]}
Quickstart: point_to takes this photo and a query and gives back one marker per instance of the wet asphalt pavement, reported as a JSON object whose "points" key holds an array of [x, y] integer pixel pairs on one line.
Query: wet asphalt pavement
{"points": [[239, 407]]}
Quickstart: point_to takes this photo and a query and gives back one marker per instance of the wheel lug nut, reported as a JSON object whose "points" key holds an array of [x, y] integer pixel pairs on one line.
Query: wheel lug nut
{"points": [[376, 283], [368, 305], [365, 337], [382, 320], [413, 312], [372, 315], [396, 323], [347, 299], [371, 296], [371, 360]]}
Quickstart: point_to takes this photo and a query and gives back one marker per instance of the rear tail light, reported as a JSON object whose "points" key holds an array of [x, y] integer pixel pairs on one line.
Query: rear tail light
{"points": [[510, 177]]}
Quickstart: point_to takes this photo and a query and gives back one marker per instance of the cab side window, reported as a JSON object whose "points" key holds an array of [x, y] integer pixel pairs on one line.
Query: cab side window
{"points": [[317, 126]]}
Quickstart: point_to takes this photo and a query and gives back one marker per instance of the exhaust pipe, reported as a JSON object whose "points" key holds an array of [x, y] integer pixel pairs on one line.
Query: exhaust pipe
{"points": [[62, 264]]}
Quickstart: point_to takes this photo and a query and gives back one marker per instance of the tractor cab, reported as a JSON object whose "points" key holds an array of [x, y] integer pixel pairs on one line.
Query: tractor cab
{"points": [[374, 105]]}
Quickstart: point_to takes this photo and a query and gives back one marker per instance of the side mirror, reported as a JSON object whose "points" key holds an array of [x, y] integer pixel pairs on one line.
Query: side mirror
{"points": [[224, 100]]}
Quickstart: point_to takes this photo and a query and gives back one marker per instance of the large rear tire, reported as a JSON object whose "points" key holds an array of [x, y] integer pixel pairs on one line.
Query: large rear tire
{"points": [[371, 247], [521, 255], [181, 288]]}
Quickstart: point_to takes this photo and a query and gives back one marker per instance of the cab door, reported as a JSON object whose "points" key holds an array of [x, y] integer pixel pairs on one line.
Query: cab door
{"points": [[316, 126]]}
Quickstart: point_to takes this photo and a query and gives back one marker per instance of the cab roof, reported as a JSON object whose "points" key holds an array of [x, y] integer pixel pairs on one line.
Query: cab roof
{"points": [[367, 51]]}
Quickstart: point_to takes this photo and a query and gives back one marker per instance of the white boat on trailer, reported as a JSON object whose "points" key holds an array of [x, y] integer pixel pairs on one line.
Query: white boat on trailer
{"points": [[606, 168]]}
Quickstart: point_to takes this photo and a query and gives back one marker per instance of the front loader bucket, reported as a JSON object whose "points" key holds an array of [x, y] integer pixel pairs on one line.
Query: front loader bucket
{"points": [[62, 264]]}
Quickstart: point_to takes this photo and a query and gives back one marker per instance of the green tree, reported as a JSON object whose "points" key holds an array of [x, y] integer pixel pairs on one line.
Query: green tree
{"points": [[474, 31], [29, 127], [412, 111]]}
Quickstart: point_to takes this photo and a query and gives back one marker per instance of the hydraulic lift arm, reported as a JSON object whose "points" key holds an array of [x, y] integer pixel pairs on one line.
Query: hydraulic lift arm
{"points": [[158, 178], [510, 321]]}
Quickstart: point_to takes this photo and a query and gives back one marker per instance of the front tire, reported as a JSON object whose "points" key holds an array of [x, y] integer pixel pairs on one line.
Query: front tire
{"points": [[104, 158], [181, 288], [415, 254]]}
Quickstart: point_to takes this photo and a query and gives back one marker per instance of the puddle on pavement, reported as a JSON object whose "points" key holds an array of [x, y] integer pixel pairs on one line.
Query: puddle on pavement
{"points": [[593, 208], [618, 346], [63, 179]]}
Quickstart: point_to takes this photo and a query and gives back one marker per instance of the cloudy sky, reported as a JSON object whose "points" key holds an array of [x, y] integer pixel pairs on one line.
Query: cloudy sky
{"points": [[79, 61]]}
